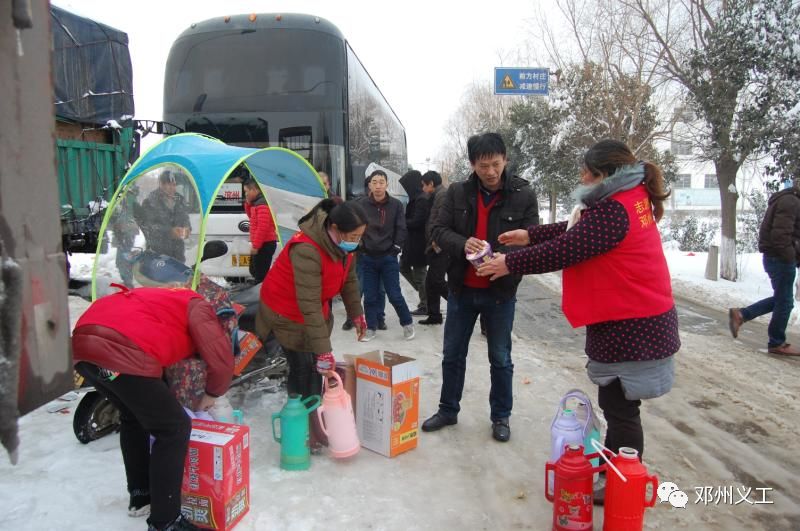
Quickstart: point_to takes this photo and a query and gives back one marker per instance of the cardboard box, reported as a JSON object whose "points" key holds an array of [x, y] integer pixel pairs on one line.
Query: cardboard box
{"points": [[215, 493], [387, 412], [347, 371]]}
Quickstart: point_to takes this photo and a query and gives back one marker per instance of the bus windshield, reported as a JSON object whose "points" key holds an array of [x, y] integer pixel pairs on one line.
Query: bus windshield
{"points": [[226, 71]]}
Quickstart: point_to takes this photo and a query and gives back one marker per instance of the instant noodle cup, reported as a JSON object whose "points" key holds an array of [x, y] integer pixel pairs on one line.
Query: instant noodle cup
{"points": [[482, 256]]}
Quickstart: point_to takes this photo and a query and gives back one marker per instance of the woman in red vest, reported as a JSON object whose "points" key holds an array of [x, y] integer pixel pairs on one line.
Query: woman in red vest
{"points": [[316, 264], [615, 282], [121, 345]]}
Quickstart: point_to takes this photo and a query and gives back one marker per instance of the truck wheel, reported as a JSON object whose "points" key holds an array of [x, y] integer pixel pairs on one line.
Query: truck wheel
{"points": [[95, 417]]}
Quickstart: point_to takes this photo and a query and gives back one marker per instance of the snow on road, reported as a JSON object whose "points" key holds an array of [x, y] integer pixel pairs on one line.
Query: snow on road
{"points": [[730, 424]]}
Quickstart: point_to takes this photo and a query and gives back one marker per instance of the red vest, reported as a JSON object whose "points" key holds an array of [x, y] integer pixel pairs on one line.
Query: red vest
{"points": [[156, 319], [630, 281], [481, 232], [278, 290]]}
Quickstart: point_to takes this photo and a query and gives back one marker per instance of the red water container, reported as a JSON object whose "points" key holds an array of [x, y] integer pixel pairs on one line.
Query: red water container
{"points": [[572, 489], [626, 501]]}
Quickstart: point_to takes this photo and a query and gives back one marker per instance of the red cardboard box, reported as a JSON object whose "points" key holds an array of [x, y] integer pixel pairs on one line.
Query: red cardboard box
{"points": [[215, 493]]}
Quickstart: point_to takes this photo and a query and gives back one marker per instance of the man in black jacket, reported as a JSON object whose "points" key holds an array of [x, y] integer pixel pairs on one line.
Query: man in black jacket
{"points": [[476, 211], [779, 241], [412, 261], [438, 260], [164, 218]]}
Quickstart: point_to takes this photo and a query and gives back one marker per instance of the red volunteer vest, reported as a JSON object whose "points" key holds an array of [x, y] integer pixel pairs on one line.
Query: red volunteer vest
{"points": [[156, 319], [278, 291], [481, 232], [630, 281]]}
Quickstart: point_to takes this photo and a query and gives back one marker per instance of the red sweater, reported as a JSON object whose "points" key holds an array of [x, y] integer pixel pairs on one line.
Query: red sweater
{"points": [[262, 226], [471, 279]]}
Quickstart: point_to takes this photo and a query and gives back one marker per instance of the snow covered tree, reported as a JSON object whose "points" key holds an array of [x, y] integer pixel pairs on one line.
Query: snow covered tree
{"points": [[591, 102], [735, 60]]}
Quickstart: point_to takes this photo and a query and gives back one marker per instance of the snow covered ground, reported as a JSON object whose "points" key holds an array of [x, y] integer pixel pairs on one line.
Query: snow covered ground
{"points": [[731, 421]]}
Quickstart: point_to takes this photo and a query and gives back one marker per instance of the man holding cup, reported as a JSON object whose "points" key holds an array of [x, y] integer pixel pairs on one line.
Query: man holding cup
{"points": [[473, 214]]}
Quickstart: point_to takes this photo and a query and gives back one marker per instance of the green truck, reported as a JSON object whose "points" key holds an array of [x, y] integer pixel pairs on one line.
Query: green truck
{"points": [[96, 136]]}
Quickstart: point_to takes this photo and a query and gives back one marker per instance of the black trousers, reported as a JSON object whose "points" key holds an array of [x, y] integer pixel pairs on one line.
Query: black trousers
{"points": [[304, 380], [435, 283], [147, 407], [623, 418], [260, 262]]}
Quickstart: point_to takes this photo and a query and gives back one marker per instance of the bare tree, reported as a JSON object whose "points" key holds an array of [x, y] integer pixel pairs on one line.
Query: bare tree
{"points": [[715, 51], [480, 111]]}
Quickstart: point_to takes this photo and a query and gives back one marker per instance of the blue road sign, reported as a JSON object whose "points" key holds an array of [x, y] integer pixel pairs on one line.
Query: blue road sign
{"points": [[519, 81]]}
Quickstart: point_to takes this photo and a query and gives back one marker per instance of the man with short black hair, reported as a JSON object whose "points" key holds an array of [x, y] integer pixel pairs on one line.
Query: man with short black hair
{"points": [[435, 283], [474, 212], [164, 218]]}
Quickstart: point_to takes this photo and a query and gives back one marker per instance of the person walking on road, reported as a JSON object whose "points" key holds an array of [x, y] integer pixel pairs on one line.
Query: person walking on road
{"points": [[779, 242], [473, 212]]}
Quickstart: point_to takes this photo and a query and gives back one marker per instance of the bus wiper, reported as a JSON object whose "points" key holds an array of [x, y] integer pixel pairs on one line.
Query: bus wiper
{"points": [[303, 91], [199, 102]]}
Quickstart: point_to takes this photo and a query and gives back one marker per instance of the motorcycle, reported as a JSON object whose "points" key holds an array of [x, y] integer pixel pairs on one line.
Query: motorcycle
{"points": [[96, 417]]}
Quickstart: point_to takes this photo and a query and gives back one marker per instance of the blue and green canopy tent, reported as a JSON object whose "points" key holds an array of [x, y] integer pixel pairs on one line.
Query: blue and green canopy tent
{"points": [[290, 185]]}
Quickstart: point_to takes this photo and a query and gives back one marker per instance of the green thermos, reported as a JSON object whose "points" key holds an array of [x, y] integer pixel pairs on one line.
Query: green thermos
{"points": [[295, 453]]}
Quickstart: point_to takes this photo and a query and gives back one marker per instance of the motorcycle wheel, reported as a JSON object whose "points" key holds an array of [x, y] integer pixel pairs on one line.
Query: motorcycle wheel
{"points": [[95, 417]]}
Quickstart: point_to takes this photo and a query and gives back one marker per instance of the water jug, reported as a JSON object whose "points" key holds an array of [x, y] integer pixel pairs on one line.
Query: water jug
{"points": [[222, 410], [337, 420], [565, 429], [582, 406], [295, 453], [627, 499], [573, 489]]}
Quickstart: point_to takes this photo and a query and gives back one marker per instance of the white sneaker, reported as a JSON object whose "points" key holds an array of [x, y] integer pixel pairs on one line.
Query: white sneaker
{"points": [[408, 332], [133, 512], [369, 335]]}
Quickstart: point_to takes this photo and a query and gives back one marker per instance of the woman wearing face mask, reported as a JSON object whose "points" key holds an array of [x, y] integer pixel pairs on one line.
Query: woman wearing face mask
{"points": [[316, 264]]}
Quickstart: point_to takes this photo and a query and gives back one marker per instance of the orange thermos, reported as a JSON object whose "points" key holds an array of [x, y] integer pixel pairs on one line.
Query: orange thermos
{"points": [[625, 501]]}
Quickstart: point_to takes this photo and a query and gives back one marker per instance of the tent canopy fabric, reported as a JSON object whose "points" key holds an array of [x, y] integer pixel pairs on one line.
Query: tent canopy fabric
{"points": [[290, 184], [209, 161]]}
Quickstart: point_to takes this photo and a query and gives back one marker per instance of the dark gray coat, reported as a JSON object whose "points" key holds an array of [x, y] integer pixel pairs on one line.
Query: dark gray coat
{"points": [[386, 226], [455, 222], [779, 235]]}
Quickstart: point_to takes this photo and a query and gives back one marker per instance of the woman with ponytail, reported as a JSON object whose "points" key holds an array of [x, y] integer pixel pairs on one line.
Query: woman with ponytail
{"points": [[615, 282], [315, 265]]}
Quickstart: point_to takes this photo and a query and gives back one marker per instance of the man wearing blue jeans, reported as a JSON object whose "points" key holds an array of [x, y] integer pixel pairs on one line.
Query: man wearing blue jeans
{"points": [[377, 256], [779, 241], [473, 212]]}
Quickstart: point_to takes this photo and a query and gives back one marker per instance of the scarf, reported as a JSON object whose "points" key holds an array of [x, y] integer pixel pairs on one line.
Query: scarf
{"points": [[625, 178]]}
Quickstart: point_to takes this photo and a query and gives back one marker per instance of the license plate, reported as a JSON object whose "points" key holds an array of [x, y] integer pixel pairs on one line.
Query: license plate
{"points": [[241, 260]]}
